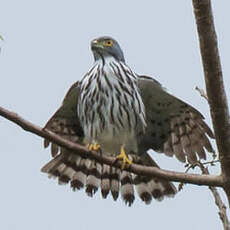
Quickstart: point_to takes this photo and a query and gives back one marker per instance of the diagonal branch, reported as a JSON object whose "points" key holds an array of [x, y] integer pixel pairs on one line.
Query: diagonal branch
{"points": [[214, 85], [209, 180]]}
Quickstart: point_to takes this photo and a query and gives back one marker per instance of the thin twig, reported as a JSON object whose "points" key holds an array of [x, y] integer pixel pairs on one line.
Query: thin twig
{"points": [[137, 169], [221, 206], [192, 166], [211, 162], [202, 93]]}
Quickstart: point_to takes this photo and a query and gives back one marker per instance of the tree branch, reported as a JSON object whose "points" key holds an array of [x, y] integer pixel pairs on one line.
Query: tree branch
{"points": [[220, 204], [209, 180], [202, 93], [214, 85]]}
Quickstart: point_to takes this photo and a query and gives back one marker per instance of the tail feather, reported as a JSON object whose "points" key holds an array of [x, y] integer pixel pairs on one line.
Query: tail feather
{"points": [[51, 167], [66, 175], [54, 150], [81, 172], [93, 179], [169, 189], [105, 181], [115, 182], [142, 188], [157, 187], [127, 188], [79, 178]]}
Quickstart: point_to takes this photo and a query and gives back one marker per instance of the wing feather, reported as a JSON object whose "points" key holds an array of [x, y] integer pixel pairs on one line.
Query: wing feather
{"points": [[178, 128]]}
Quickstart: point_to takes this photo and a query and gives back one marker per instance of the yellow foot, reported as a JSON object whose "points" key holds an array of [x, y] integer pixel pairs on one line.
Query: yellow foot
{"points": [[93, 147], [125, 160]]}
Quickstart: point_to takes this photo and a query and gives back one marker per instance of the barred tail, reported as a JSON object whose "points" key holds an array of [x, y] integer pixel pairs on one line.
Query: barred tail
{"points": [[81, 172]]}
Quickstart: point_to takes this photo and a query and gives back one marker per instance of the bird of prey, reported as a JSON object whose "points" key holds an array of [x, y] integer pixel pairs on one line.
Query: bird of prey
{"points": [[124, 115]]}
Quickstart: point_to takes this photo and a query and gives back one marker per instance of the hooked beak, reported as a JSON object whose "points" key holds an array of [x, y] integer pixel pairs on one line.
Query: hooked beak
{"points": [[95, 44]]}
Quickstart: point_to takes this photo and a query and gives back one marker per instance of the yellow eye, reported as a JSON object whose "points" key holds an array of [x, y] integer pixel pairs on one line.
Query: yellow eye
{"points": [[108, 43]]}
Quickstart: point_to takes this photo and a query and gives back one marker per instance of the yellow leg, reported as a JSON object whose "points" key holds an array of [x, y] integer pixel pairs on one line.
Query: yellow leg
{"points": [[93, 147], [125, 160]]}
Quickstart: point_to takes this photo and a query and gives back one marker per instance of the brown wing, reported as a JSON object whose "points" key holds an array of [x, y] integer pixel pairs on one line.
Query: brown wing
{"points": [[82, 172], [65, 121], [173, 127]]}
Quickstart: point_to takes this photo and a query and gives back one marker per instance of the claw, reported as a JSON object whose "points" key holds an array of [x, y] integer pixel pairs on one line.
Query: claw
{"points": [[93, 147], [125, 160]]}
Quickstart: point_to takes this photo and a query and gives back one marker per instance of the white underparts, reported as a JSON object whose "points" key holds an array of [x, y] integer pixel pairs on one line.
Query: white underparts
{"points": [[110, 107]]}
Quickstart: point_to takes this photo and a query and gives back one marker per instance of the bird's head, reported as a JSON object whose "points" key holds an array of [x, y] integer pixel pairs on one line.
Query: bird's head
{"points": [[103, 47]]}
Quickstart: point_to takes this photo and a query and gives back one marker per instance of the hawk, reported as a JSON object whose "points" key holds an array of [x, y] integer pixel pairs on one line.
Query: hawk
{"points": [[124, 115]]}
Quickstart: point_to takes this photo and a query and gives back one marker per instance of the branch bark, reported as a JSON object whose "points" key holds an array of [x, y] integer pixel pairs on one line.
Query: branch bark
{"points": [[219, 203], [214, 85], [209, 180]]}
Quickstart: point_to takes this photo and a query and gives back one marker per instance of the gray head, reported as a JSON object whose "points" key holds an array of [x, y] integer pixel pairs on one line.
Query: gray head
{"points": [[106, 46]]}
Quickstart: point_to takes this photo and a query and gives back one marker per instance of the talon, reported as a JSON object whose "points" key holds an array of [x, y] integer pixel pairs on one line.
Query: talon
{"points": [[125, 160], [93, 147]]}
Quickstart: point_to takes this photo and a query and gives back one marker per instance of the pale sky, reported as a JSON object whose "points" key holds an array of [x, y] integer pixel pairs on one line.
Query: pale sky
{"points": [[45, 50]]}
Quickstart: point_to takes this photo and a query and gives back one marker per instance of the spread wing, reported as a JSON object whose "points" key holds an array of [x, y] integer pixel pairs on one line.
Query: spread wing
{"points": [[89, 174], [65, 121], [173, 127]]}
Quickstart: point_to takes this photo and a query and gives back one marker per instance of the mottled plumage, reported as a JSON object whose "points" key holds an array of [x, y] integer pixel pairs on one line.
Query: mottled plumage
{"points": [[115, 107]]}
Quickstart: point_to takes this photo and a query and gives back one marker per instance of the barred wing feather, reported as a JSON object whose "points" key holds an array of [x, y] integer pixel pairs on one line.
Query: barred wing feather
{"points": [[173, 127]]}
